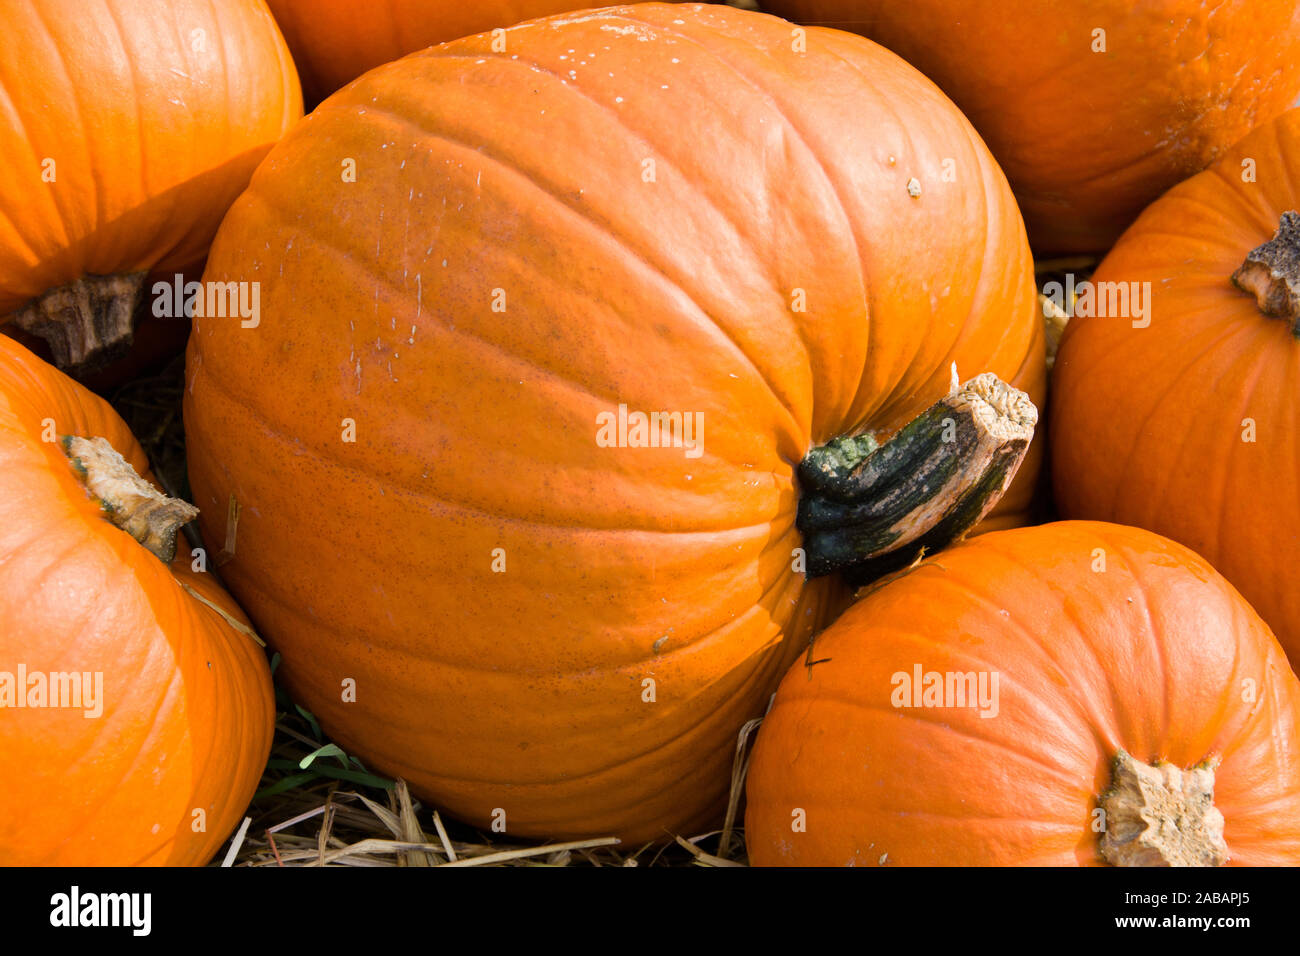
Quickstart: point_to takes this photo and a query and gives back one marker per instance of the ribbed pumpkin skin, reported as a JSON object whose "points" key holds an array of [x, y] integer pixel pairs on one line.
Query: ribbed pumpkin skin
{"points": [[1089, 139], [188, 709], [1157, 655], [152, 138], [1148, 423], [476, 430], [335, 41]]}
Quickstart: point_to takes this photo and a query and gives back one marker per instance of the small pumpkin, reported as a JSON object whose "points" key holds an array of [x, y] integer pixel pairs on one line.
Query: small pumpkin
{"points": [[131, 128], [1076, 693], [135, 709], [1177, 414], [481, 273], [335, 41], [1092, 107]]}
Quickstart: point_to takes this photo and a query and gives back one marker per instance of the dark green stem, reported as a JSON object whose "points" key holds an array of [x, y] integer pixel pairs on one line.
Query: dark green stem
{"points": [[866, 510]]}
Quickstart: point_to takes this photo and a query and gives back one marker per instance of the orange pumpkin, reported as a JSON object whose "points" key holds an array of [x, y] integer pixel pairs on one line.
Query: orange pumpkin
{"points": [[476, 269], [335, 41], [130, 129], [1071, 694], [135, 710], [1179, 416], [1093, 107]]}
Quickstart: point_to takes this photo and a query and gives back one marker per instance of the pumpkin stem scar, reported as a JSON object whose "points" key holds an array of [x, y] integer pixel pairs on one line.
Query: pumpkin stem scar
{"points": [[86, 323], [128, 501], [1161, 816], [867, 510], [1271, 273]]}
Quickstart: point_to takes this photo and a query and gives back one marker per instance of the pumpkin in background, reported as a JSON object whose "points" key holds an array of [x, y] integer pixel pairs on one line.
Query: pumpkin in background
{"points": [[160, 766], [131, 128], [1089, 136], [1182, 419], [1091, 679], [475, 269], [335, 41]]}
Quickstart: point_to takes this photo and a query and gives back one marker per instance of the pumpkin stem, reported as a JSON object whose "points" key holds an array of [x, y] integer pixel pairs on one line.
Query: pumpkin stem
{"points": [[130, 502], [869, 509], [1161, 816], [86, 323], [1271, 273]]}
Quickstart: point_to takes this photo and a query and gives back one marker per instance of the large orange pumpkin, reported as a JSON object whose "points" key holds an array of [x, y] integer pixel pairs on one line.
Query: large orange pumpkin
{"points": [[335, 41], [1180, 416], [475, 270], [1070, 694], [1092, 107], [130, 128], [154, 759]]}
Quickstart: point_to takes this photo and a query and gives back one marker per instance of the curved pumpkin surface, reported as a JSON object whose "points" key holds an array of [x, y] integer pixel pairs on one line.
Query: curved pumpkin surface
{"points": [[129, 129], [652, 208], [335, 41], [1092, 107], [1187, 424], [1102, 639], [159, 766]]}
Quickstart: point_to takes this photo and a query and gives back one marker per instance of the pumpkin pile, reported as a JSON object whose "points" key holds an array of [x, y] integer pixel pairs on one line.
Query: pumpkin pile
{"points": [[565, 395]]}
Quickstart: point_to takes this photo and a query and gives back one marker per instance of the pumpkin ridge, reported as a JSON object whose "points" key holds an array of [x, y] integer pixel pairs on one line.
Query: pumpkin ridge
{"points": [[1144, 585], [426, 494], [1032, 640], [681, 648], [51, 39], [1137, 450], [623, 242], [347, 258], [705, 320], [612, 766], [904, 390], [701, 194], [938, 723], [130, 73], [1092, 719], [1227, 465], [1157, 642], [882, 404], [629, 664], [85, 821], [832, 186]]}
